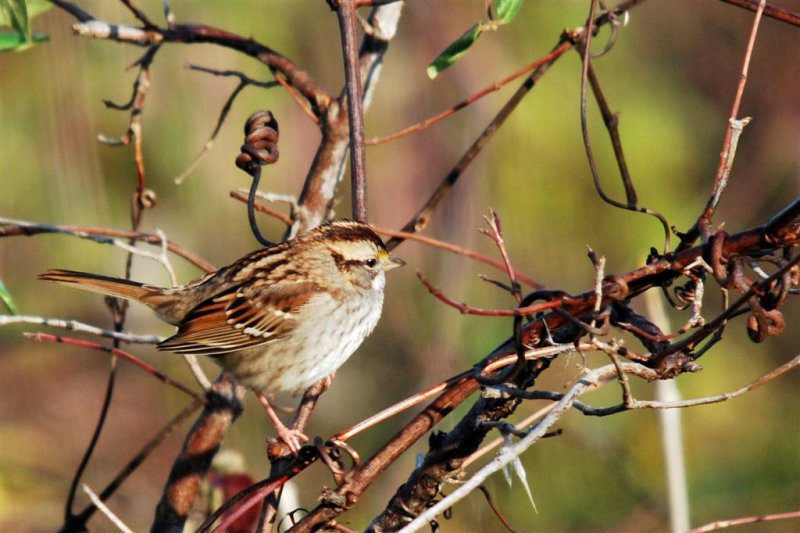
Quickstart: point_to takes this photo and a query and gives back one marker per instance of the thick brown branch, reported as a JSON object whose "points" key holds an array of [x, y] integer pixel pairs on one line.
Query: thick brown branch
{"points": [[224, 406]]}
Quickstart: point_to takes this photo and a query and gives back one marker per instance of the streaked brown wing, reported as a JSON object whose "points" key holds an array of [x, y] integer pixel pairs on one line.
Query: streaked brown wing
{"points": [[242, 317]]}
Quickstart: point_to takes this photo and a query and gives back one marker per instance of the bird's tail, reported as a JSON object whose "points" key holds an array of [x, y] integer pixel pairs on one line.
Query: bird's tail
{"points": [[149, 295]]}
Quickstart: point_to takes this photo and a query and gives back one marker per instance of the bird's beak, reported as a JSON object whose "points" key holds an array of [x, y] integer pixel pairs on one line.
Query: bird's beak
{"points": [[390, 262]]}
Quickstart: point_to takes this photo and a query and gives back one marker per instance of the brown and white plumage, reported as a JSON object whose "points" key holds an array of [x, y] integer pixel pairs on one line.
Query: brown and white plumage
{"points": [[280, 318]]}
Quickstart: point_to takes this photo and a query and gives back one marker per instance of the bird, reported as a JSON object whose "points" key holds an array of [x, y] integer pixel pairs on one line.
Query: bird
{"points": [[280, 318]]}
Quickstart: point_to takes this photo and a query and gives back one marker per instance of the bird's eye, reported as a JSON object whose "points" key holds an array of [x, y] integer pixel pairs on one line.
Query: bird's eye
{"points": [[371, 262]]}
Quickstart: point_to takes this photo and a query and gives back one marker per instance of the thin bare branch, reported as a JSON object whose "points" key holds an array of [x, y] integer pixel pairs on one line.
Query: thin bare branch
{"points": [[138, 13], [420, 221], [701, 226], [346, 11], [153, 371], [457, 250], [74, 325], [12, 228], [425, 124], [261, 208], [724, 524], [776, 12], [97, 502], [469, 310], [78, 521]]}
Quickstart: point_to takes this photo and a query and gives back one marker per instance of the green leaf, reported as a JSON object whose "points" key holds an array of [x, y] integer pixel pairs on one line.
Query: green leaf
{"points": [[15, 14], [453, 52], [15, 42], [507, 10], [6, 298]]}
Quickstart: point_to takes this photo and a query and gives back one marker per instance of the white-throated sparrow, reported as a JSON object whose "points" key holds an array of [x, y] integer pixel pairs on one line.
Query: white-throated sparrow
{"points": [[280, 318]]}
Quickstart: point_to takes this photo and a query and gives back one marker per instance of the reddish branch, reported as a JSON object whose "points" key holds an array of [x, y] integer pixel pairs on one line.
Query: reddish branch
{"points": [[458, 250], [461, 105], [150, 369], [778, 13]]}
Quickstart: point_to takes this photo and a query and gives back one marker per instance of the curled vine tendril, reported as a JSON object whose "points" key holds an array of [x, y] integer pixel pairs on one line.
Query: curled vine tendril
{"points": [[260, 148]]}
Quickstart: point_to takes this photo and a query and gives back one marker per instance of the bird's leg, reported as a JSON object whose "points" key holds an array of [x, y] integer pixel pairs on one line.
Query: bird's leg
{"points": [[292, 437]]}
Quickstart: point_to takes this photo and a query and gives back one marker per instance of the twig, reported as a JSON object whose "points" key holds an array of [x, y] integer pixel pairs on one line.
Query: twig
{"points": [[649, 375], [416, 399], [301, 80], [776, 12], [143, 197], [513, 450], [459, 106], [260, 148], [496, 234], [153, 371], [496, 509], [138, 13], [399, 407], [729, 142], [97, 502], [11, 228], [236, 195], [163, 258], [724, 524], [74, 325], [777, 372], [611, 121], [73, 522], [457, 250], [420, 221], [589, 381], [583, 39], [469, 310], [500, 440], [78, 521], [692, 340], [326, 172]]}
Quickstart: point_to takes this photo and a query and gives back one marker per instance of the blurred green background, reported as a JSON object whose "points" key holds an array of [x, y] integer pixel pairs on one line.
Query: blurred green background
{"points": [[672, 75]]}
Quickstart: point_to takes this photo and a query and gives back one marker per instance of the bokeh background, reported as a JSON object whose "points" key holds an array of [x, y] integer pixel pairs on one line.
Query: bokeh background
{"points": [[671, 74]]}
